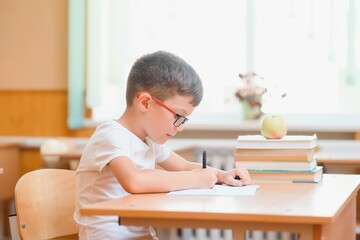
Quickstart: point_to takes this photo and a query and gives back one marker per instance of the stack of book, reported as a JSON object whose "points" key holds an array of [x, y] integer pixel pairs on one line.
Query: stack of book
{"points": [[291, 158]]}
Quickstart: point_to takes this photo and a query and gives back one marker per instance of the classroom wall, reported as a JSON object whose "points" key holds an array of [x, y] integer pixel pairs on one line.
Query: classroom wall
{"points": [[33, 44], [33, 67], [33, 72]]}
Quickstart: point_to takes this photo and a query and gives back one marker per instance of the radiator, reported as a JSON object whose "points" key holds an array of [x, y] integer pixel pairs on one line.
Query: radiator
{"points": [[222, 159], [217, 234]]}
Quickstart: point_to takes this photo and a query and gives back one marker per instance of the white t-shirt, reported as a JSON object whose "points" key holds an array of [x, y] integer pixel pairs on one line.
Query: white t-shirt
{"points": [[95, 181]]}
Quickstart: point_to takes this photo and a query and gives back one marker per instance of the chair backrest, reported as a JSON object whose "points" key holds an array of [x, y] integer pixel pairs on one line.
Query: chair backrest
{"points": [[45, 203]]}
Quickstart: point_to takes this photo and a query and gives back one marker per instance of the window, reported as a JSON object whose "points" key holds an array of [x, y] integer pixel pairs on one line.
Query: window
{"points": [[308, 49]]}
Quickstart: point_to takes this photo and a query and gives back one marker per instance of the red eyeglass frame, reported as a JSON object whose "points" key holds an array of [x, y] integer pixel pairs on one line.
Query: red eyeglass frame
{"points": [[177, 123]]}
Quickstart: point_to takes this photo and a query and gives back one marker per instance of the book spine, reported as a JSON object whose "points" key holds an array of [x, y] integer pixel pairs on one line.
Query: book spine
{"points": [[300, 158], [274, 152], [304, 176], [279, 145], [278, 165]]}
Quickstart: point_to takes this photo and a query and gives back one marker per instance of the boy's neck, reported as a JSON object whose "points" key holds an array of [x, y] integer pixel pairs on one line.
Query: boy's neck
{"points": [[129, 120]]}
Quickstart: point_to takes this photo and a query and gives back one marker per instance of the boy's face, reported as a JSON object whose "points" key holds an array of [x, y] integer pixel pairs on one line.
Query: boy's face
{"points": [[164, 120]]}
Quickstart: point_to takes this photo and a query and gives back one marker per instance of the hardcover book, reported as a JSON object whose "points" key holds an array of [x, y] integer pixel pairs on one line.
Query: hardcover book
{"points": [[278, 165], [287, 142], [253, 154], [306, 176]]}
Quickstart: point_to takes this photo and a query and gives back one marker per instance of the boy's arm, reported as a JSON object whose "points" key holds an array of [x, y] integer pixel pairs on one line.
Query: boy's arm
{"points": [[135, 180], [177, 163]]}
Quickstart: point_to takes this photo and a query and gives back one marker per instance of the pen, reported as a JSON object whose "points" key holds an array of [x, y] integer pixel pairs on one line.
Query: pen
{"points": [[204, 159], [204, 164]]}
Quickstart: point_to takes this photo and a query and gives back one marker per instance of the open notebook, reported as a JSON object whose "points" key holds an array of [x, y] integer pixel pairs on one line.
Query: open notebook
{"points": [[219, 190]]}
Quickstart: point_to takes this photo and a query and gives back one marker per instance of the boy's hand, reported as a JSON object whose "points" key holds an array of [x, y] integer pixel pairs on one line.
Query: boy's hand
{"points": [[242, 173], [204, 178]]}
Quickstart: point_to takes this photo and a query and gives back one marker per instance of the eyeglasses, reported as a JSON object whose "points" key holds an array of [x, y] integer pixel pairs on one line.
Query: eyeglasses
{"points": [[179, 119]]}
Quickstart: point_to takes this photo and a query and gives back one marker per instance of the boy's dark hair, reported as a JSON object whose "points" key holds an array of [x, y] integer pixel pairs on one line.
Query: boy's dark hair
{"points": [[163, 75]]}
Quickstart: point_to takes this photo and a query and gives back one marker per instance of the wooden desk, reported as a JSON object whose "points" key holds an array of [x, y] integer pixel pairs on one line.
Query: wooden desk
{"points": [[314, 211], [341, 157], [339, 154]]}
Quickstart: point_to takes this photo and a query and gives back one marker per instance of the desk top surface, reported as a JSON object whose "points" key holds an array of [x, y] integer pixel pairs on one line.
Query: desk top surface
{"points": [[281, 202], [1, 170], [8, 145]]}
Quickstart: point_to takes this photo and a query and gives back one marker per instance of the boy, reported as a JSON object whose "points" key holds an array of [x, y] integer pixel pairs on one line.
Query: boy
{"points": [[120, 157]]}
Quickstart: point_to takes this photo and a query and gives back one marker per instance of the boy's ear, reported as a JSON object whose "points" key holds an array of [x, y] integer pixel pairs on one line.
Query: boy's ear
{"points": [[143, 101]]}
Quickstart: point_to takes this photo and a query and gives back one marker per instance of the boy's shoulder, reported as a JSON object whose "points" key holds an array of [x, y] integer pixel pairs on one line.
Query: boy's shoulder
{"points": [[108, 123], [108, 126], [112, 128], [110, 132]]}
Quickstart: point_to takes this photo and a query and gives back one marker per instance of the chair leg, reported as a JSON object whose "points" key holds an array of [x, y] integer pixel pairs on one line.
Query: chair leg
{"points": [[6, 213]]}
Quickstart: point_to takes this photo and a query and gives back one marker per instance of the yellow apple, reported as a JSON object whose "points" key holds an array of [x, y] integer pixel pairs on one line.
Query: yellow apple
{"points": [[273, 127]]}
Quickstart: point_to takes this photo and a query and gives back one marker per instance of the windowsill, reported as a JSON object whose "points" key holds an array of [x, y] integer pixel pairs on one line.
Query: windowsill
{"points": [[295, 122]]}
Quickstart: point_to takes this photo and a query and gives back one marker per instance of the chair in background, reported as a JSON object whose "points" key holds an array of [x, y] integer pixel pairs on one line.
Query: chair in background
{"points": [[60, 153], [45, 203], [9, 162]]}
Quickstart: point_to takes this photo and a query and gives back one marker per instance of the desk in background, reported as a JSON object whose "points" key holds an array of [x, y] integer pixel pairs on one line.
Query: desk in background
{"points": [[331, 152], [339, 156], [9, 174], [326, 209], [68, 160], [328, 152]]}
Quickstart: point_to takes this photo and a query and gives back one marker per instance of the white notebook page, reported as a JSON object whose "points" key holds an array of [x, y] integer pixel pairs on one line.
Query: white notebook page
{"points": [[219, 190]]}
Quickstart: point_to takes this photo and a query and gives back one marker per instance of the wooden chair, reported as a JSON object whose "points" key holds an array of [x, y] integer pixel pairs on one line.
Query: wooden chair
{"points": [[60, 153], [45, 203]]}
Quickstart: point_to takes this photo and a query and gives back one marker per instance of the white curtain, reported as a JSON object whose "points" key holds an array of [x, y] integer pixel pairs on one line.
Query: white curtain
{"points": [[300, 47], [76, 64]]}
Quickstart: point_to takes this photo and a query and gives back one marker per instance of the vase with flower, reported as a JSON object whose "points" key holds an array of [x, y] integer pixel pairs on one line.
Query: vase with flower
{"points": [[250, 95]]}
